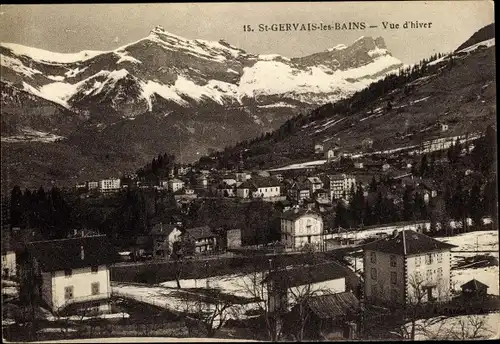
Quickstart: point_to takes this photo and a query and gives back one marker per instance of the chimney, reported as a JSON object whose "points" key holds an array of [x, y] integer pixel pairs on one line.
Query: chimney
{"points": [[82, 253]]}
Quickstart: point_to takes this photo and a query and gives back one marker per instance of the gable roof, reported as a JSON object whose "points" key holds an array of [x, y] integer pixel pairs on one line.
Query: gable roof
{"points": [[294, 214], [200, 232], [474, 284], [408, 242], [303, 275], [259, 182], [56, 255], [162, 229], [333, 305]]}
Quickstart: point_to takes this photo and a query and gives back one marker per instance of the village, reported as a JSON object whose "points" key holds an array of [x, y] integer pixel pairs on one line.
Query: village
{"points": [[350, 248]]}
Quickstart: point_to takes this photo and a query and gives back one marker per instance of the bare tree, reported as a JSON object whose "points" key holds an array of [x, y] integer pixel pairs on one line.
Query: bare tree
{"points": [[209, 310], [415, 299], [253, 285]]}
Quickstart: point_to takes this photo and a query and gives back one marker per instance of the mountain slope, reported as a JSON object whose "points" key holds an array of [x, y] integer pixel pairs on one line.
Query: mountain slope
{"points": [[153, 94], [401, 111]]}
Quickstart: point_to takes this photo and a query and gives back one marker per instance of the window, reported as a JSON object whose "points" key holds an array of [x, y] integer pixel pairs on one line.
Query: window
{"points": [[418, 261], [374, 274], [429, 274], [94, 269], [440, 272], [428, 259], [68, 293], [440, 258], [418, 276], [68, 272], [95, 288], [373, 257], [393, 261], [394, 278]]}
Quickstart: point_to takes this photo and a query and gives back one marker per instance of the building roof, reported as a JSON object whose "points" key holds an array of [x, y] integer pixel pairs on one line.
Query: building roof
{"points": [[200, 232], [408, 242], [333, 305], [56, 255], [474, 284], [175, 180], [294, 214], [304, 275], [162, 229], [257, 182], [315, 180]]}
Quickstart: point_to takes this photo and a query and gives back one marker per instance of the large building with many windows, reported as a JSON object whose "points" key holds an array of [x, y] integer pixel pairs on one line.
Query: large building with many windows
{"points": [[341, 186], [109, 185], [300, 227], [407, 267]]}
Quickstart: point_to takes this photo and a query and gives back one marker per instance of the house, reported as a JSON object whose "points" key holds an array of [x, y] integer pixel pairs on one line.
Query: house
{"points": [[163, 237], [225, 190], [242, 176], [202, 181], [9, 267], [175, 185], [299, 192], [228, 180], [300, 227], [385, 166], [322, 195], [205, 240], [367, 143], [73, 274], [444, 127], [474, 289], [318, 148], [406, 266], [358, 164], [332, 154], [92, 185], [109, 185], [314, 183], [329, 317], [341, 186], [264, 188], [284, 285], [233, 238]]}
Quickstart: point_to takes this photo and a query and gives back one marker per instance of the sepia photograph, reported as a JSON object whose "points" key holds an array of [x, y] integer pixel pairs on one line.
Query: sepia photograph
{"points": [[249, 172]]}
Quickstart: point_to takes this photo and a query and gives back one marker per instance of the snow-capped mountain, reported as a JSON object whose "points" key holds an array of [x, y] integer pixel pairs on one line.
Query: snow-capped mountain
{"points": [[210, 93]]}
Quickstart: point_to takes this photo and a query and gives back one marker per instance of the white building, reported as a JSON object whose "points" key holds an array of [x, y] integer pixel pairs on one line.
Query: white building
{"points": [[314, 183], [265, 188], [92, 185], [300, 227], [318, 148], [9, 268], [407, 266], [175, 185], [109, 185], [341, 185], [163, 237], [74, 272]]}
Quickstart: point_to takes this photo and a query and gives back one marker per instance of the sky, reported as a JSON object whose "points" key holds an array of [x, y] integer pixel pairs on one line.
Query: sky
{"points": [[76, 27]]}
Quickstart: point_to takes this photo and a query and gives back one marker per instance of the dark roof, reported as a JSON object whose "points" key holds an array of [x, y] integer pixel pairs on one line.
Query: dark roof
{"points": [[408, 242], [333, 305], [303, 275], [259, 182], [200, 232], [55, 255], [162, 229], [294, 214], [474, 284]]}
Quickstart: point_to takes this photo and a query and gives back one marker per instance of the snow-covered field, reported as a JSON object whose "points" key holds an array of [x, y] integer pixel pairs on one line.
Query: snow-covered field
{"points": [[483, 326], [301, 165], [481, 240], [169, 298], [32, 135]]}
